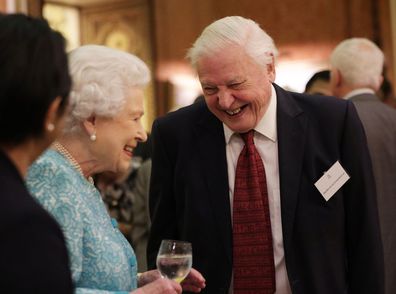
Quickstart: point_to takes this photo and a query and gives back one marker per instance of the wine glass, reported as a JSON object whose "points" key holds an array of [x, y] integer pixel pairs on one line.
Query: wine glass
{"points": [[174, 259]]}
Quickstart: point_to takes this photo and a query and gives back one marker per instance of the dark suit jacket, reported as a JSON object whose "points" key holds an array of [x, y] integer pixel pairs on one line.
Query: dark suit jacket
{"points": [[33, 255], [331, 247], [379, 121]]}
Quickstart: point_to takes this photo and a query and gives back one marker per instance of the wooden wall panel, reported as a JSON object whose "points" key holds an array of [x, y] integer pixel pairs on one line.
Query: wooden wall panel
{"points": [[393, 33], [387, 36], [3, 7], [301, 30], [125, 26], [304, 31], [35, 8], [179, 22], [290, 21], [361, 18]]}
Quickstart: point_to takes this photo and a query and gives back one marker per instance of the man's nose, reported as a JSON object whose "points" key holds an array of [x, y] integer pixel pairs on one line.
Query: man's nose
{"points": [[225, 99]]}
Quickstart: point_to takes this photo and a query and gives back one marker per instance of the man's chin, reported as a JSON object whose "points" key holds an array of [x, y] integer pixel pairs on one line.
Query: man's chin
{"points": [[239, 128]]}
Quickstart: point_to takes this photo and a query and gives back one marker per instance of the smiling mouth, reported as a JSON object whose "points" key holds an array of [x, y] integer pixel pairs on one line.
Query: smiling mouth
{"points": [[235, 111], [129, 150]]}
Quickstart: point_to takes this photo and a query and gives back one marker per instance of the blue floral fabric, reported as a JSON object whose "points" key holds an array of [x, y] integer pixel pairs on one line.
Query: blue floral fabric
{"points": [[102, 261]]}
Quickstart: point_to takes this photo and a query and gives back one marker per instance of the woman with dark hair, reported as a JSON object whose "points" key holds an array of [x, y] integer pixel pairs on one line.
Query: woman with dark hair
{"points": [[34, 85]]}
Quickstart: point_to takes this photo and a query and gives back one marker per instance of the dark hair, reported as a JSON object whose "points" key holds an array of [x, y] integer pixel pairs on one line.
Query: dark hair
{"points": [[386, 90], [33, 72], [323, 75]]}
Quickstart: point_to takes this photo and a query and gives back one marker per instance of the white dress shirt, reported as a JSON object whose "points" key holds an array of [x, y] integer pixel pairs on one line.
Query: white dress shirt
{"points": [[266, 141], [358, 92]]}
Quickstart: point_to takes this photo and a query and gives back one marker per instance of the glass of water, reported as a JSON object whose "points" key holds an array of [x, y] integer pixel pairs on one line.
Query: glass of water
{"points": [[174, 259]]}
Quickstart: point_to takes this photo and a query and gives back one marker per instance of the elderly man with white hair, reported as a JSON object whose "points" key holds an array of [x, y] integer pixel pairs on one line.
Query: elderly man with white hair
{"points": [[357, 65], [240, 176]]}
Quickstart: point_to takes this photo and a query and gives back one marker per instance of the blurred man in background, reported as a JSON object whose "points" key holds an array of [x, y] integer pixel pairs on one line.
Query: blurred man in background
{"points": [[356, 75], [319, 84]]}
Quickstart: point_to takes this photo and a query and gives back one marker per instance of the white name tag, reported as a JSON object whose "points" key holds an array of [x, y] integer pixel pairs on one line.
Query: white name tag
{"points": [[332, 181]]}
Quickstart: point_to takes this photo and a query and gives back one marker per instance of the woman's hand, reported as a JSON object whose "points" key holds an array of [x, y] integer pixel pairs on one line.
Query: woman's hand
{"points": [[148, 277], [160, 286], [194, 282]]}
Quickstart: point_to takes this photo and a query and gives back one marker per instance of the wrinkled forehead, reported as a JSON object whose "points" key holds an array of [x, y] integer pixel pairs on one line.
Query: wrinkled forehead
{"points": [[222, 59], [227, 66]]}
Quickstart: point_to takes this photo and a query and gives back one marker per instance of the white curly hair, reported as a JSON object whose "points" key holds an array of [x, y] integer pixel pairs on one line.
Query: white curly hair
{"points": [[360, 62], [101, 78], [234, 30]]}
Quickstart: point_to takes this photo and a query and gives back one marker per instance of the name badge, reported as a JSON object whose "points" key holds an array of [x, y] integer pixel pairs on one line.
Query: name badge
{"points": [[332, 180]]}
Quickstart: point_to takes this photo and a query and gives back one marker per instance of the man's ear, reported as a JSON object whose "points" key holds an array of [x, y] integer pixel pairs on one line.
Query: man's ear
{"points": [[271, 70], [336, 75]]}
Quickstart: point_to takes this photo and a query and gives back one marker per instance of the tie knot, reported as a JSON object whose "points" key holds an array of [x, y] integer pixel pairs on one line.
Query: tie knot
{"points": [[248, 137]]}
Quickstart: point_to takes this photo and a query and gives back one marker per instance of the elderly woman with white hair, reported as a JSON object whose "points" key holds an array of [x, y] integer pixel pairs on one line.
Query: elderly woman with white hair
{"points": [[102, 130]]}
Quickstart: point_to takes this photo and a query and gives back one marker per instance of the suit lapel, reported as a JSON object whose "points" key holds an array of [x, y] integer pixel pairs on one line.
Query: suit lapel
{"points": [[292, 125], [213, 163]]}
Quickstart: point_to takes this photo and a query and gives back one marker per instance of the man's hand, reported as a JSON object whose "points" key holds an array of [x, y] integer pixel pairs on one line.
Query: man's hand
{"points": [[194, 282]]}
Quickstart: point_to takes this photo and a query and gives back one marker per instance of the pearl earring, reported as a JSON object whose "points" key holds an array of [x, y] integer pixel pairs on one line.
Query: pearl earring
{"points": [[50, 127], [93, 137]]}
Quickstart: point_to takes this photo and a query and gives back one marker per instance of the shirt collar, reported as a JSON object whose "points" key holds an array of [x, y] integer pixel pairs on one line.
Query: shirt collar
{"points": [[358, 92], [267, 124]]}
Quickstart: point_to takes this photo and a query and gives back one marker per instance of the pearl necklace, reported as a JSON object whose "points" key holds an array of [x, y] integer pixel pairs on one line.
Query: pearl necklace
{"points": [[63, 151]]}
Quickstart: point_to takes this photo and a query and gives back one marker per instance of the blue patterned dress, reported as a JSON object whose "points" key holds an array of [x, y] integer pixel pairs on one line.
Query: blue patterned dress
{"points": [[102, 261]]}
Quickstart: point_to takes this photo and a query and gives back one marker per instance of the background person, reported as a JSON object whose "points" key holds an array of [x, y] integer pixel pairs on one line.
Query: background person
{"points": [[123, 196], [141, 217], [319, 84], [356, 75], [101, 132], [272, 232], [34, 86]]}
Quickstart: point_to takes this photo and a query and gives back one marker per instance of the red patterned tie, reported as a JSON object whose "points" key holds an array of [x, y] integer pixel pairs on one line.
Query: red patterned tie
{"points": [[254, 271]]}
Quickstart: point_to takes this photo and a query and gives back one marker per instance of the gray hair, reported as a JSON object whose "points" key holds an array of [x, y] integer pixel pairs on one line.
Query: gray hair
{"points": [[360, 62], [238, 31], [101, 79]]}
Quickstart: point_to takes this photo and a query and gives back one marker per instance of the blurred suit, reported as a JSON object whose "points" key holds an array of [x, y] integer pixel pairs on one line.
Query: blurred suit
{"points": [[141, 217], [379, 121], [33, 255]]}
